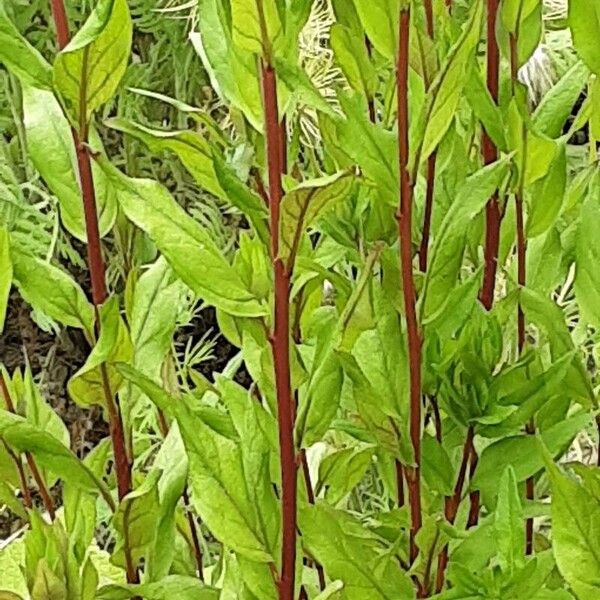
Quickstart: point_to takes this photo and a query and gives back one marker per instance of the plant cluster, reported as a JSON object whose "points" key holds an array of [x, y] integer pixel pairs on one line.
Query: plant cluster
{"points": [[411, 288]]}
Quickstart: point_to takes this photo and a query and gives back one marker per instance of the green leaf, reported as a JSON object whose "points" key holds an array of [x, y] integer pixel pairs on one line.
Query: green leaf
{"points": [[514, 12], [6, 274], [587, 276], [172, 586], [557, 104], [353, 58], [49, 452], [187, 247], [87, 386], [541, 311], [349, 552], [191, 148], [221, 491], [446, 253], [51, 291], [485, 109], [508, 523], [523, 453], [377, 151], [547, 195], [584, 20], [303, 205], [342, 471], [52, 151], [575, 530], [135, 521], [172, 462], [448, 85], [380, 21], [89, 69], [256, 25], [20, 57], [233, 72]]}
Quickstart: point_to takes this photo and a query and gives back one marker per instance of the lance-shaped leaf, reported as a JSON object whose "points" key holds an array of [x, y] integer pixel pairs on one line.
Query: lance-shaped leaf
{"points": [[448, 85], [87, 386], [220, 493], [20, 57], [256, 26], [548, 195], [584, 20], [172, 461], [192, 149], [135, 521], [172, 586], [575, 530], [233, 72], [587, 277], [51, 291], [302, 206], [514, 12], [51, 150], [446, 254], [508, 523], [351, 54], [6, 274], [49, 452], [351, 553], [523, 453], [187, 247], [380, 21], [89, 69], [557, 104]]}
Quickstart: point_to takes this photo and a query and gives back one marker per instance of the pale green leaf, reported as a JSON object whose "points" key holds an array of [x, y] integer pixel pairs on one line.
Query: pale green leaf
{"points": [[584, 20], [51, 291], [89, 69], [187, 247], [6, 274], [20, 57], [52, 151]]}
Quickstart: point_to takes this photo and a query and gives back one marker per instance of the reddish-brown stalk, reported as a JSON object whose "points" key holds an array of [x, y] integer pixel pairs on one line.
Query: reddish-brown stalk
{"points": [[404, 216], [428, 211], [35, 472], [490, 154], [451, 507], [493, 216], [96, 266], [280, 338]]}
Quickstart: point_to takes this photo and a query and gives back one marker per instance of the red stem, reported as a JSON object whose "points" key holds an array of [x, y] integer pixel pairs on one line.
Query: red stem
{"points": [[490, 154], [96, 265], [280, 340], [429, 17], [493, 216], [451, 506], [413, 473], [35, 472]]}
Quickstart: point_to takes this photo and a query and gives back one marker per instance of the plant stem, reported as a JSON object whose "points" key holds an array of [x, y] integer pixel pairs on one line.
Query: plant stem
{"points": [[413, 473], [96, 266], [35, 472], [451, 506], [493, 215], [280, 339], [490, 154], [429, 17], [27, 501]]}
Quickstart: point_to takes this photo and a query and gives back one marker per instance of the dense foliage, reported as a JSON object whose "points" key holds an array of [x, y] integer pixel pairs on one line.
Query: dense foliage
{"points": [[394, 223]]}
